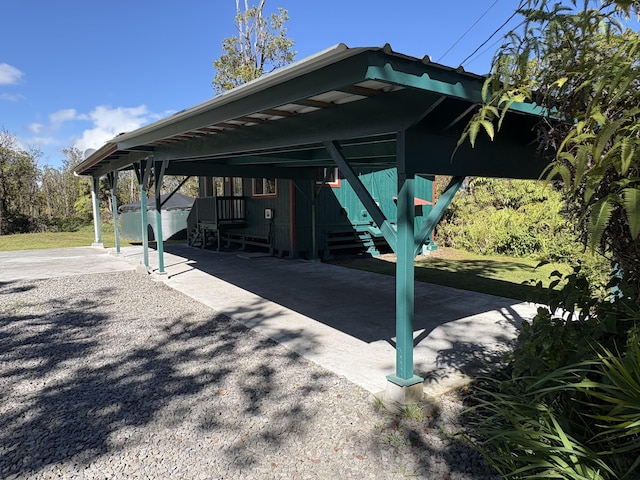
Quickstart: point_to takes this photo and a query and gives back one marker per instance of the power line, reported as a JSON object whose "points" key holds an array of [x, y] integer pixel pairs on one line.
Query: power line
{"points": [[492, 35], [493, 44], [468, 30]]}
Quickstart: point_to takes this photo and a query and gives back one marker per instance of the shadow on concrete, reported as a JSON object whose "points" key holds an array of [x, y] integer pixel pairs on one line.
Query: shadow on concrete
{"points": [[358, 303]]}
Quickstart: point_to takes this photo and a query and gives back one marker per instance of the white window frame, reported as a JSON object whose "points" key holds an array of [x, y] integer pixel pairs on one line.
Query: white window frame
{"points": [[264, 184]]}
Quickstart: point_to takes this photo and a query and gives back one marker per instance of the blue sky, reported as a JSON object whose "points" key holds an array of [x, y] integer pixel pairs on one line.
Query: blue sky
{"points": [[78, 72]]}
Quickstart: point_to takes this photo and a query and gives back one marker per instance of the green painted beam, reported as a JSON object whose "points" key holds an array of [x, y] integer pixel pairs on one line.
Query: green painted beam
{"points": [[207, 168], [445, 81], [363, 194], [507, 156], [387, 113]]}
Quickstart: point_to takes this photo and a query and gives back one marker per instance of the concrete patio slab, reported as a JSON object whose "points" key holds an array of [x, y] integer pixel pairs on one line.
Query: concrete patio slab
{"points": [[340, 318]]}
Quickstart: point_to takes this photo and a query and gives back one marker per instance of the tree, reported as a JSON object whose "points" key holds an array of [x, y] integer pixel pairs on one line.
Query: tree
{"points": [[260, 46], [18, 185], [568, 407], [580, 64]]}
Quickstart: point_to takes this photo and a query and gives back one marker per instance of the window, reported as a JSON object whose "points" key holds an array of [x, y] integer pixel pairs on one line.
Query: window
{"points": [[236, 187], [264, 187], [328, 176], [218, 183]]}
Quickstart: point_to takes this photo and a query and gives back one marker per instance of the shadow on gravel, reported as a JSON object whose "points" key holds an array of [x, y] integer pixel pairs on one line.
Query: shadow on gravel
{"points": [[80, 379], [6, 288], [88, 372]]}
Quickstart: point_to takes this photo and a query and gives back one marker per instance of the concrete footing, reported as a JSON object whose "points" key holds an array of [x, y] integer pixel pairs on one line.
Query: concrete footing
{"points": [[142, 269], [159, 276], [394, 397], [97, 244]]}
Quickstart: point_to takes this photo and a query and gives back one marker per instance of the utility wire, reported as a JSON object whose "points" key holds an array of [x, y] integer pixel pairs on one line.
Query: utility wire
{"points": [[493, 34], [492, 45], [468, 30]]}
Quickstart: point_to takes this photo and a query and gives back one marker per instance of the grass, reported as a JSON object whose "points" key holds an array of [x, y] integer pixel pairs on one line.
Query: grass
{"points": [[502, 276], [494, 275], [37, 241]]}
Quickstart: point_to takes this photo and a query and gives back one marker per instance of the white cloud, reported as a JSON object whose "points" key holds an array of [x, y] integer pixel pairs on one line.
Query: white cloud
{"points": [[65, 115], [109, 122], [36, 128], [9, 75], [11, 98]]}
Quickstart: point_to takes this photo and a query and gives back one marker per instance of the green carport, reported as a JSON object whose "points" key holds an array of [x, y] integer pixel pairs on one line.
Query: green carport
{"points": [[344, 107]]}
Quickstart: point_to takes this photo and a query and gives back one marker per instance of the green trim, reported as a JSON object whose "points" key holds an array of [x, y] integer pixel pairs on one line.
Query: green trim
{"points": [[405, 382]]}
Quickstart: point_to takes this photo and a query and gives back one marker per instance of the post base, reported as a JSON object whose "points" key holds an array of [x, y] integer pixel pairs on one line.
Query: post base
{"points": [[142, 269], [159, 276], [98, 244], [395, 396]]}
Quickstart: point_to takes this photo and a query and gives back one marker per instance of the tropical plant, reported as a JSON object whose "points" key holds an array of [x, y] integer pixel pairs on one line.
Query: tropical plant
{"points": [[581, 421], [569, 405], [580, 65]]}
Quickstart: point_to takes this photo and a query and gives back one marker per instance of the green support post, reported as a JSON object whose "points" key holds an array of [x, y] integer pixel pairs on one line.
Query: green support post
{"points": [[144, 222], [95, 201], [143, 178], [158, 184], [113, 185], [405, 284]]}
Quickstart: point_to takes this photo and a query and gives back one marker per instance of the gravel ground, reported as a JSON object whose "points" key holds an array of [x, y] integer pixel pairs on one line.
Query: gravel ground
{"points": [[117, 376]]}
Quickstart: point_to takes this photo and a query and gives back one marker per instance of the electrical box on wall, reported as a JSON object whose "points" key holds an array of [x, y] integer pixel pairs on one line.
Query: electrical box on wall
{"points": [[268, 213]]}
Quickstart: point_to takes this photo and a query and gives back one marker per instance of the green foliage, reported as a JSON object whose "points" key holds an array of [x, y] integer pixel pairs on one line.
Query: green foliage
{"points": [[260, 46], [509, 217], [579, 63], [580, 421], [18, 185], [569, 408]]}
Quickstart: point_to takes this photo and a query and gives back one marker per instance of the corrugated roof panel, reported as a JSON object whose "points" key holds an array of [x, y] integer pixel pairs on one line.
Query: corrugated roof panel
{"points": [[377, 85], [337, 98]]}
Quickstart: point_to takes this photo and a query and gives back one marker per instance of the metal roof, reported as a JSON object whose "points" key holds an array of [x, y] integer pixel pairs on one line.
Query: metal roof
{"points": [[359, 97]]}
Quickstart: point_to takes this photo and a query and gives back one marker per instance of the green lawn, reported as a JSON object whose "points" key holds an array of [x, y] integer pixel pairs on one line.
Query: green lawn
{"points": [[35, 241], [503, 276]]}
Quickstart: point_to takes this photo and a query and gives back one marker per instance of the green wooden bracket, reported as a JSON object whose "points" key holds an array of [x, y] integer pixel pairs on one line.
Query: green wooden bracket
{"points": [[389, 233], [175, 190], [429, 223]]}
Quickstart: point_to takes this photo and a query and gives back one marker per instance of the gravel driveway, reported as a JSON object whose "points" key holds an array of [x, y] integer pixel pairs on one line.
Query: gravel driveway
{"points": [[116, 376]]}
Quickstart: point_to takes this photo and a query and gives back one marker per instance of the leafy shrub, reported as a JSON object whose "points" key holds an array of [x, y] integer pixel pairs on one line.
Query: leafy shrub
{"points": [[568, 406], [508, 217], [68, 224]]}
